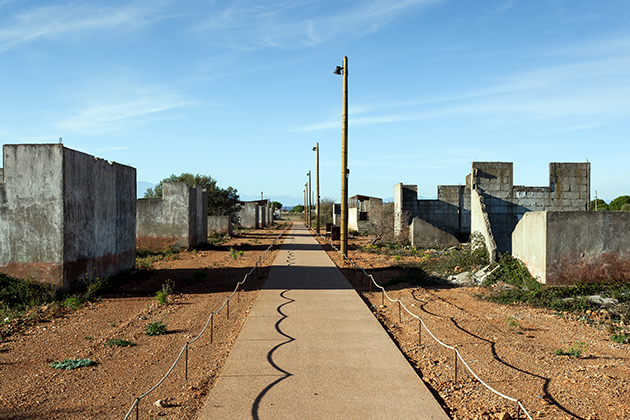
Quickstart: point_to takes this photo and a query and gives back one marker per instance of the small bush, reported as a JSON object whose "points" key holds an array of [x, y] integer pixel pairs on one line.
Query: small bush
{"points": [[155, 328], [162, 295], [620, 338], [69, 364], [73, 302], [119, 342], [575, 351]]}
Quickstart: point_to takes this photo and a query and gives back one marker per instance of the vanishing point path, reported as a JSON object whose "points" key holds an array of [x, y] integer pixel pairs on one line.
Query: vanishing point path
{"points": [[311, 349]]}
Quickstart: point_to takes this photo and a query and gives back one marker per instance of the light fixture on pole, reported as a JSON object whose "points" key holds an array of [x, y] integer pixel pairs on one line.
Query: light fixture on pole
{"points": [[344, 159]]}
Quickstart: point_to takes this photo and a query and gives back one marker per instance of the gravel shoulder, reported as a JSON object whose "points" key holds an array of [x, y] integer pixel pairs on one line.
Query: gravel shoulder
{"points": [[510, 347], [30, 388]]}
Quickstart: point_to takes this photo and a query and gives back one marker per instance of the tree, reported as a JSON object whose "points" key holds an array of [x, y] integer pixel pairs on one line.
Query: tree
{"points": [[618, 202], [297, 209], [221, 202], [599, 205], [276, 205], [326, 210]]}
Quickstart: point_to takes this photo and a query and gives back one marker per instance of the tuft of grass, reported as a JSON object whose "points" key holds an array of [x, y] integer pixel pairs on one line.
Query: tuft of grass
{"points": [[235, 254], [73, 302], [620, 338], [87, 337], [119, 342], [576, 350], [162, 295], [69, 364], [155, 328]]}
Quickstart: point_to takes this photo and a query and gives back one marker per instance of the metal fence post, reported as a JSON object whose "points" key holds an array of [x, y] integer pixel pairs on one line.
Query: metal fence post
{"points": [[419, 332], [186, 363]]}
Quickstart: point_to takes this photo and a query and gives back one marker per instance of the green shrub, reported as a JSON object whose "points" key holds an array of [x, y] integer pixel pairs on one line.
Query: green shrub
{"points": [[162, 295], [73, 302], [155, 328], [575, 351], [620, 338]]}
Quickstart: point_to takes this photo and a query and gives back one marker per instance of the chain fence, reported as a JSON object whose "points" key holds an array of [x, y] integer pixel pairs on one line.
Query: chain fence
{"points": [[421, 324], [210, 322]]}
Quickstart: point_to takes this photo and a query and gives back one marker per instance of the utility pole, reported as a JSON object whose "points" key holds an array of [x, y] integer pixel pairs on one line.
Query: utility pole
{"points": [[317, 188], [344, 164], [309, 199]]}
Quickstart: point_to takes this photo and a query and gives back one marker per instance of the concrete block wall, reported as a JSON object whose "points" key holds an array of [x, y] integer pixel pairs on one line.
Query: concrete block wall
{"points": [[561, 248], [65, 215], [505, 204], [423, 234], [450, 212], [248, 215], [220, 224], [177, 220]]}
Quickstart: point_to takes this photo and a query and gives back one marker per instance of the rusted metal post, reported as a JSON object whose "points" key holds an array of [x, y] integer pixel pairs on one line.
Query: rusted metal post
{"points": [[399, 312], [228, 308], [211, 328], [419, 332]]}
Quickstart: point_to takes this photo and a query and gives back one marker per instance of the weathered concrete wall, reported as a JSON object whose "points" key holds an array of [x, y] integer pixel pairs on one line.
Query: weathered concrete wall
{"points": [[359, 208], [248, 215], [423, 234], [449, 212], [568, 190], [179, 219], [566, 247], [65, 215], [481, 223], [220, 224], [262, 216]]}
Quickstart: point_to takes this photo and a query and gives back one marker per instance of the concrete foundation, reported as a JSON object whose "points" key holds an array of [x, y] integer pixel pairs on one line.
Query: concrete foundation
{"points": [[178, 220], [562, 248], [423, 234], [65, 216]]}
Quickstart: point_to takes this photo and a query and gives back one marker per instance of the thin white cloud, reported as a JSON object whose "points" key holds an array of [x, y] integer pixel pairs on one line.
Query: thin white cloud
{"points": [[594, 91], [299, 24], [116, 116], [72, 20]]}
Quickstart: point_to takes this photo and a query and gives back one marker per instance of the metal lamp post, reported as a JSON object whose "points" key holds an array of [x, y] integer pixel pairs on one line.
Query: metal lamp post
{"points": [[316, 149]]}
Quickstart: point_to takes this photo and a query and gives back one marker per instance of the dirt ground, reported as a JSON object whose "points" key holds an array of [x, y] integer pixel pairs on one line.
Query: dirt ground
{"points": [[510, 347], [31, 389]]}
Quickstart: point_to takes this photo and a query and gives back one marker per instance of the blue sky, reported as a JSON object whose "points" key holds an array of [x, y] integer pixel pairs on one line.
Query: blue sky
{"points": [[242, 90]]}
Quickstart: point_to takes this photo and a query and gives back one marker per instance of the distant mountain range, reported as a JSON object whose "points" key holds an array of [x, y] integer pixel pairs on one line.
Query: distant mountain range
{"points": [[141, 187]]}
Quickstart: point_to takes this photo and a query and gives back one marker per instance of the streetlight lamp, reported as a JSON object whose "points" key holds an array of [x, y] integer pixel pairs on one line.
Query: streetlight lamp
{"points": [[344, 159], [316, 149]]}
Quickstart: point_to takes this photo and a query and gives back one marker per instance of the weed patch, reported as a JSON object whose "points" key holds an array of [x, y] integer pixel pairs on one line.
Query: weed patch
{"points": [[69, 364], [162, 295], [620, 338], [119, 342], [155, 328], [576, 350]]}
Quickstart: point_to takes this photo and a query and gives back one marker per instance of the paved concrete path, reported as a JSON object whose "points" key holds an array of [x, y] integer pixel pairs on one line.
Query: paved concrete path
{"points": [[311, 349]]}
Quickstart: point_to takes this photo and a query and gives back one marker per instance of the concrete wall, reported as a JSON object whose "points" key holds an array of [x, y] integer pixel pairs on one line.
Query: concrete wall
{"points": [[562, 248], [65, 215], [336, 213], [262, 216], [359, 208], [505, 203], [248, 215], [449, 212], [220, 224], [423, 234], [178, 219], [481, 223]]}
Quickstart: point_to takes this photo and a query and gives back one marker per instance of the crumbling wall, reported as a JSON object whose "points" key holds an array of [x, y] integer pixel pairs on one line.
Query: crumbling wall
{"points": [[423, 234], [568, 190], [177, 220], [449, 212], [65, 215], [220, 224], [562, 248], [481, 223], [248, 215]]}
